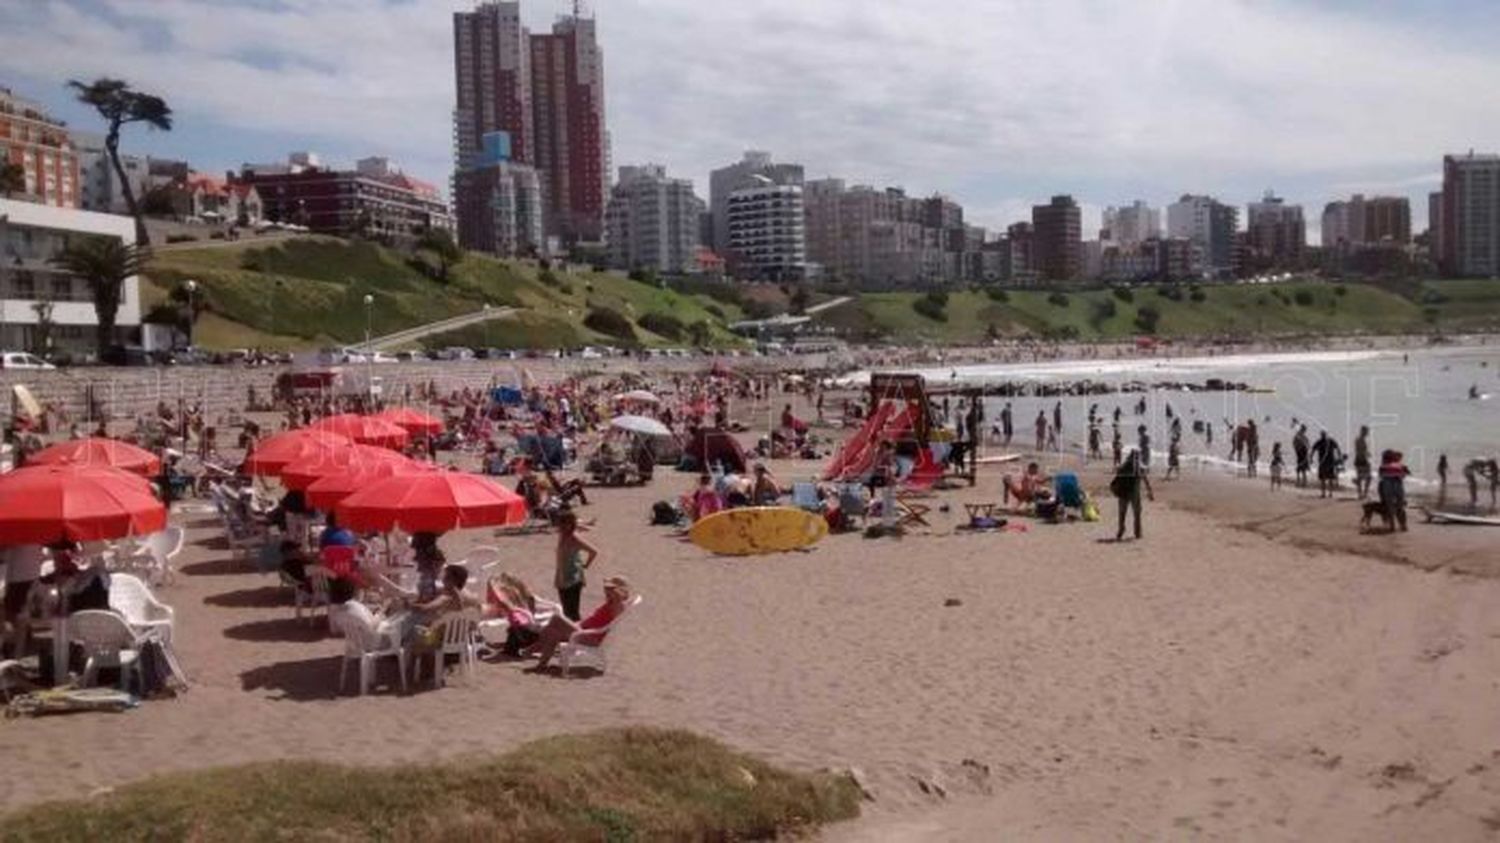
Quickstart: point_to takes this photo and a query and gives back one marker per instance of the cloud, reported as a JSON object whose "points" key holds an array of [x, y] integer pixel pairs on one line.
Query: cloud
{"points": [[998, 103]]}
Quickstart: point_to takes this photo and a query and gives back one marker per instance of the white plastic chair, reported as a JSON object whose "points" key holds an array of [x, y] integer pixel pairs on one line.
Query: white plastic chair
{"points": [[588, 647], [156, 553], [107, 641], [366, 642], [312, 594], [458, 638], [140, 608]]}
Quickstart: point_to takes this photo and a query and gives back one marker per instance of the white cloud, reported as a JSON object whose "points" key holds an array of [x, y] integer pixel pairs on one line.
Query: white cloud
{"points": [[996, 102]]}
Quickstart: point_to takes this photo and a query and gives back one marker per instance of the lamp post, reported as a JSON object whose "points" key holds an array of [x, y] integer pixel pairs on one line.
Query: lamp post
{"points": [[369, 353], [192, 291]]}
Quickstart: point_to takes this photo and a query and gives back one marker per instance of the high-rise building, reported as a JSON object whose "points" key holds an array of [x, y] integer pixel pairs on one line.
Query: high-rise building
{"points": [[499, 202], [879, 239], [767, 232], [1277, 233], [492, 63], [572, 146], [1021, 265], [1470, 216], [43, 148], [1435, 225], [1058, 227], [1131, 224], [652, 222], [546, 92], [1360, 222], [749, 172], [1210, 224]]}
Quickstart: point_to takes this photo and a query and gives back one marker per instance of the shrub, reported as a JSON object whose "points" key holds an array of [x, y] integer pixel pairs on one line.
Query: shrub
{"points": [[1340, 290], [1198, 295], [1170, 293], [1124, 294], [997, 294], [1303, 297], [217, 235], [1147, 319], [662, 324], [1103, 311], [929, 307], [1058, 299], [610, 323], [182, 238], [715, 311], [939, 297]]}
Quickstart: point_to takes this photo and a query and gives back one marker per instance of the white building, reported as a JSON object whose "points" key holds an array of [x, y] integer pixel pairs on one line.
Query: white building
{"points": [[767, 232], [651, 222], [1134, 223], [99, 185], [751, 171], [1210, 225], [30, 236]]}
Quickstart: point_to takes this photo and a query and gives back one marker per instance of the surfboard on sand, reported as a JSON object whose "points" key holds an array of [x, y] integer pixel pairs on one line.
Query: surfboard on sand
{"points": [[997, 460], [758, 530], [1456, 518]]}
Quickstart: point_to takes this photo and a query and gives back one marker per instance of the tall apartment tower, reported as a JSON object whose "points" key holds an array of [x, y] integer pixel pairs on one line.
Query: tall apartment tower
{"points": [[1470, 216], [1131, 224], [1210, 224], [1058, 227], [572, 146], [1277, 231], [754, 169], [492, 61], [652, 221]]}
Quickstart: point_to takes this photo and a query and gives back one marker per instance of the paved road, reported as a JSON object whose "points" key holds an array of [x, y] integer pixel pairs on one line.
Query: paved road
{"points": [[440, 327]]}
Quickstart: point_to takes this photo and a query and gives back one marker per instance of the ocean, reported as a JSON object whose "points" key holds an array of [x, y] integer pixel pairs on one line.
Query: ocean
{"points": [[1415, 401]]}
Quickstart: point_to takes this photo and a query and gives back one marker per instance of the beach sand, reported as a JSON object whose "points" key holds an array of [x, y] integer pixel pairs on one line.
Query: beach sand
{"points": [[1221, 678]]}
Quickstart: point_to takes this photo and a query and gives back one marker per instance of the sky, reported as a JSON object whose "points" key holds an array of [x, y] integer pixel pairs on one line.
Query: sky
{"points": [[996, 103]]}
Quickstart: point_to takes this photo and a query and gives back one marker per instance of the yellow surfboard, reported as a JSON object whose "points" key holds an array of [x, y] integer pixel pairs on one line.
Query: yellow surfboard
{"points": [[758, 530]]}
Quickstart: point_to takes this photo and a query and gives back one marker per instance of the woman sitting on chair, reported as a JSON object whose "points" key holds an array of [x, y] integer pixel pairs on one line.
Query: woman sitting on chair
{"points": [[559, 630]]}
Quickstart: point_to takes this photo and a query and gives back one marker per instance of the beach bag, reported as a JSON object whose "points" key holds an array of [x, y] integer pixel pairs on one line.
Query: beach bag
{"points": [[663, 513], [1090, 510]]}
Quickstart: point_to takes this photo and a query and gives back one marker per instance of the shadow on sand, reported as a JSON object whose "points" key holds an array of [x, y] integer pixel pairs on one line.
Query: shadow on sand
{"points": [[296, 630], [265, 597]]}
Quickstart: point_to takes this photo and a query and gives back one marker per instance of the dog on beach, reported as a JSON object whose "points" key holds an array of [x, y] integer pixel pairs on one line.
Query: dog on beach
{"points": [[1372, 509]]}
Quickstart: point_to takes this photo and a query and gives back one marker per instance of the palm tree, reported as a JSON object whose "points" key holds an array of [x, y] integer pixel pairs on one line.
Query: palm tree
{"points": [[12, 178], [103, 263], [119, 105]]}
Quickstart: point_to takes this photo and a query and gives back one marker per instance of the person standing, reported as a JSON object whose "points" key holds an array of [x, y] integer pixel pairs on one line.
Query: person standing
{"points": [[1362, 474], [1252, 448], [1143, 444], [574, 556], [1116, 446], [1392, 490], [1041, 430], [1126, 487], [1300, 450], [1278, 465], [1442, 471], [1057, 418], [1007, 424], [1326, 451]]}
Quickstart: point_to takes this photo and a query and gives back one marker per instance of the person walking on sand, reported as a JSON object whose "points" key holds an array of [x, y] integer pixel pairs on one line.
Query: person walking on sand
{"points": [[1095, 441], [1116, 446], [1278, 465], [1174, 459], [1126, 487], [1143, 445], [1252, 448], [1442, 472], [1392, 489], [1489, 469], [1041, 430], [1057, 417], [575, 555], [1362, 473], [1007, 424]]}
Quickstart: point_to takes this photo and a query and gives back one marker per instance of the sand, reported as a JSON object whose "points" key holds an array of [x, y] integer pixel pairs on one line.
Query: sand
{"points": [[1217, 679]]}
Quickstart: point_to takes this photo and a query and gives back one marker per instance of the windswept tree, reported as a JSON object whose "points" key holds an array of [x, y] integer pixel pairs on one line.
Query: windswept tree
{"points": [[121, 106], [104, 263], [439, 241]]}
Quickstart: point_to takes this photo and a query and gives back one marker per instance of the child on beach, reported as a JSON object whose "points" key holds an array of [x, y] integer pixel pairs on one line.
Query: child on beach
{"points": [[574, 556], [1174, 460], [1278, 464]]}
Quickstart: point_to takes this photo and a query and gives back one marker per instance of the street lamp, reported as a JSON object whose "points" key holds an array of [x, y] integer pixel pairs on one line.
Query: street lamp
{"points": [[369, 352], [192, 290]]}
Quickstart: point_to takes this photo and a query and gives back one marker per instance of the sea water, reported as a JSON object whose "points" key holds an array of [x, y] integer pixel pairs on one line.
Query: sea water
{"points": [[1415, 401]]}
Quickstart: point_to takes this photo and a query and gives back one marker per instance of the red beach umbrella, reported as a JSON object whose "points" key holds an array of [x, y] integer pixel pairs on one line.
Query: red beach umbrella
{"points": [[99, 453], [412, 421], [366, 430], [326, 492], [51, 503], [434, 502], [283, 449], [353, 458]]}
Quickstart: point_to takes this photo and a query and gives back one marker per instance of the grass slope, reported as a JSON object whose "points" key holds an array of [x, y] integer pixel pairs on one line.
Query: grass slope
{"points": [[622, 784], [1227, 311], [310, 291]]}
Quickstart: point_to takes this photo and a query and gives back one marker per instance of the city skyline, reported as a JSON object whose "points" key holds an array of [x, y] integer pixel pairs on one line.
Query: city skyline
{"points": [[998, 105]]}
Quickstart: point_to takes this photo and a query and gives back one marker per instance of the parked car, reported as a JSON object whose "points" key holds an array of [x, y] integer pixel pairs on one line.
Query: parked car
{"points": [[22, 360]]}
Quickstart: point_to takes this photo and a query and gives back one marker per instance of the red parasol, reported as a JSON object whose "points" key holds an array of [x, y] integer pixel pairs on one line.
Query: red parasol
{"points": [[302, 473], [283, 449], [366, 430], [99, 453], [412, 421], [432, 503], [51, 503], [326, 492]]}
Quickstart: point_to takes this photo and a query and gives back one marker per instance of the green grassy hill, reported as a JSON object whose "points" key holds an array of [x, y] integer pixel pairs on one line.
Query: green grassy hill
{"points": [[310, 291], [1223, 311]]}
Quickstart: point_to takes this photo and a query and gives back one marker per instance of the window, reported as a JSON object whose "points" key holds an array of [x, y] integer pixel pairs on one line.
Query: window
{"points": [[62, 288]]}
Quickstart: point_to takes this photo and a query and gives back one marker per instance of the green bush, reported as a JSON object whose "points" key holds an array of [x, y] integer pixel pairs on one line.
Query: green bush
{"points": [[1147, 318], [998, 294], [929, 307], [1124, 294], [1058, 299], [662, 324], [610, 323], [1103, 311], [1303, 298], [182, 238], [1340, 290], [1169, 293], [1198, 295]]}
